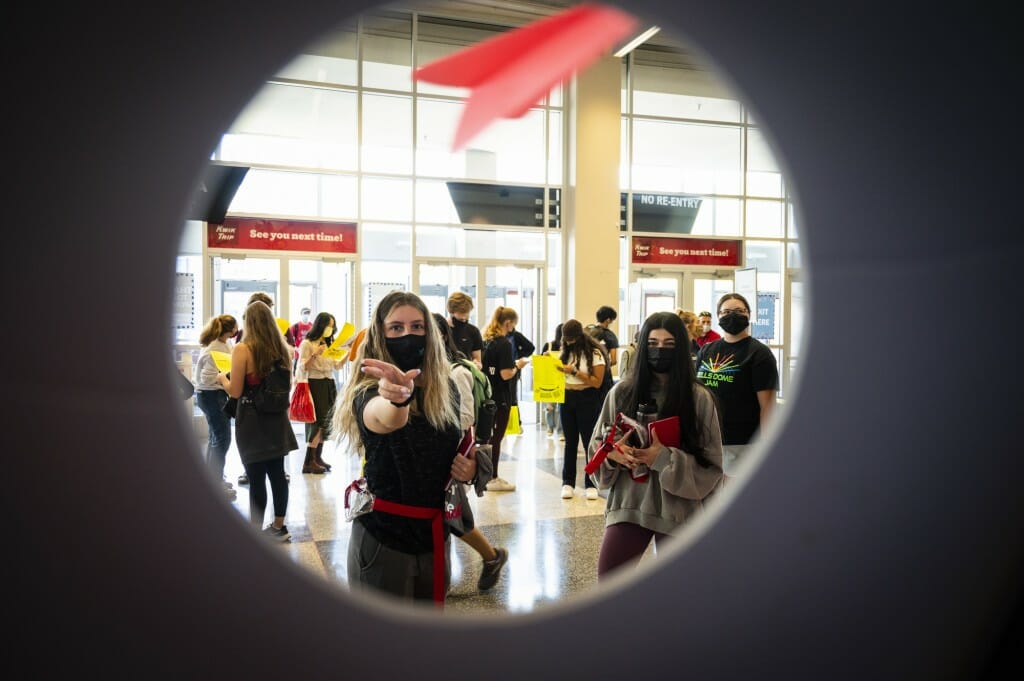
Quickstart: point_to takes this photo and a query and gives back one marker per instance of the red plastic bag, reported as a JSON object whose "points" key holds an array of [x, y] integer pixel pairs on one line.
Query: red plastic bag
{"points": [[301, 407]]}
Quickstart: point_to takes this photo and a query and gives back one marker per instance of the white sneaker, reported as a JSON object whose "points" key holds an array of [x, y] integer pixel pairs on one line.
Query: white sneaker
{"points": [[567, 491], [500, 485], [591, 493]]}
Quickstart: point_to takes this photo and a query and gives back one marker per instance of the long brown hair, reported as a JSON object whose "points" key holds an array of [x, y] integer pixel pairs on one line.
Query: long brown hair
{"points": [[264, 339]]}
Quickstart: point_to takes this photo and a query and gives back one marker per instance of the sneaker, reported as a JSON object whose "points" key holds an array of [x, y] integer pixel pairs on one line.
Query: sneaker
{"points": [[550, 432], [500, 485], [591, 493], [277, 533], [567, 491], [243, 479], [561, 438], [492, 570]]}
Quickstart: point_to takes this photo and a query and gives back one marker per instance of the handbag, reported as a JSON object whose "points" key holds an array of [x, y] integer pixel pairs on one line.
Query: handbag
{"points": [[514, 427], [456, 504], [301, 407], [362, 501]]}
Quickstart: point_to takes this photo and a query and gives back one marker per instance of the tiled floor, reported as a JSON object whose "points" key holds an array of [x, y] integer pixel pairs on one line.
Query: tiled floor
{"points": [[552, 542]]}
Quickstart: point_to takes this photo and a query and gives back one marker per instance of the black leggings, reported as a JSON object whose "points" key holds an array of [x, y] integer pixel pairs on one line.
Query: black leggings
{"points": [[579, 415], [258, 474]]}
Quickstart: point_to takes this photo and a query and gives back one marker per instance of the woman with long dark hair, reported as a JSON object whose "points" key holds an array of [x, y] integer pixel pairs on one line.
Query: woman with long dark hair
{"points": [[318, 370], [584, 363], [679, 476]]}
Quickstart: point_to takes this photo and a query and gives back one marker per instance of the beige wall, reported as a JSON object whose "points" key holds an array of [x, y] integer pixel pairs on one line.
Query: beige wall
{"points": [[591, 202]]}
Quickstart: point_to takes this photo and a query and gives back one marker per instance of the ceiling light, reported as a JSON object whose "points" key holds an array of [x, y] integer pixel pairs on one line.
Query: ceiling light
{"points": [[631, 45]]}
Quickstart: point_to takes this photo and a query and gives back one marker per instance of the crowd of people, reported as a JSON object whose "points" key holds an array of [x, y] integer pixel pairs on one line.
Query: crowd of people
{"points": [[409, 405]]}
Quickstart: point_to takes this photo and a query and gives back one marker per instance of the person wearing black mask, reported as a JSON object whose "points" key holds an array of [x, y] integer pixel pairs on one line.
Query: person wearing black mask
{"points": [[467, 338], [654, 490], [401, 412], [742, 373]]}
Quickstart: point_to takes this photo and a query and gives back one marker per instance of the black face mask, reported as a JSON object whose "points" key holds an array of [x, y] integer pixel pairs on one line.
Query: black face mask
{"points": [[659, 360], [734, 323], [407, 350]]}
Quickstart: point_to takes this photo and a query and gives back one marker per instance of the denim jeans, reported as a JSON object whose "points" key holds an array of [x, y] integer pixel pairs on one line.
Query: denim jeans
{"points": [[211, 402]]}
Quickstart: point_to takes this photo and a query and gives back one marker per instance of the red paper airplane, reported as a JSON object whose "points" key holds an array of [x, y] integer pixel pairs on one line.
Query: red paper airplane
{"points": [[513, 71]]}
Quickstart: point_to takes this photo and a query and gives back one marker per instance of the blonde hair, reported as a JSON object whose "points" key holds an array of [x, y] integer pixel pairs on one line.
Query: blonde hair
{"points": [[217, 327], [498, 319], [434, 390], [459, 302]]}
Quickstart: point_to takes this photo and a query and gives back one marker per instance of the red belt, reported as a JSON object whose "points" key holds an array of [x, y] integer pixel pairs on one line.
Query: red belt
{"points": [[437, 528]]}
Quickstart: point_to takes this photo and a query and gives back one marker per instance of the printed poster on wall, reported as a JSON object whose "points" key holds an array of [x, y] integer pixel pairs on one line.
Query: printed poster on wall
{"points": [[255, 234], [184, 302]]}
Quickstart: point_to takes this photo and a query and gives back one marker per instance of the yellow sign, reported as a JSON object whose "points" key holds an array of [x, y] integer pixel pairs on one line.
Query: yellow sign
{"points": [[282, 324], [221, 359], [515, 426], [336, 351], [548, 381]]}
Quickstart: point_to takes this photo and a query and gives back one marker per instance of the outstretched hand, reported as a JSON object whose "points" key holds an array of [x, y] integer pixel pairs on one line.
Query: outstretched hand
{"points": [[393, 384]]}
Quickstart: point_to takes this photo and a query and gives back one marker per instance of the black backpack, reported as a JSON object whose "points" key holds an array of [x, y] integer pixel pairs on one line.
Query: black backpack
{"points": [[273, 394], [483, 406]]}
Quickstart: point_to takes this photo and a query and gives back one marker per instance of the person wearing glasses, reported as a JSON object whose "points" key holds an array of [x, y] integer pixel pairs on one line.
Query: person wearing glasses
{"points": [[742, 373]]}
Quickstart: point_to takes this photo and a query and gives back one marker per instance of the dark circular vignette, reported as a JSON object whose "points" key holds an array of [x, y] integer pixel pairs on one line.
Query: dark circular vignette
{"points": [[880, 538]]}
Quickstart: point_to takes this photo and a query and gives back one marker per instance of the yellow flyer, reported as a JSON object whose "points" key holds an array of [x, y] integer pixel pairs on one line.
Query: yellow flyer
{"points": [[221, 359], [548, 381], [336, 351], [282, 324]]}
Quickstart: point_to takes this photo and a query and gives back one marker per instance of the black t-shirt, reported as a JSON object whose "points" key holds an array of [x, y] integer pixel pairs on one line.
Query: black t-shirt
{"points": [[736, 372], [409, 466], [467, 338], [605, 336], [497, 356]]}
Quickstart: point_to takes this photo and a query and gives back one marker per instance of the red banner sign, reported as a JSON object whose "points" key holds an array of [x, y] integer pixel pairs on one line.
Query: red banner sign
{"points": [[254, 234], [687, 251]]}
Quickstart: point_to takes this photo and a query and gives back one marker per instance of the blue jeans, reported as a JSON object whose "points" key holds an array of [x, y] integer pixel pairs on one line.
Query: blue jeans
{"points": [[211, 402]]}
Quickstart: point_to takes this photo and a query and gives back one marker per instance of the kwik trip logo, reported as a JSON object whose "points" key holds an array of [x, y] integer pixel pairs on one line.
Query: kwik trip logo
{"points": [[225, 233], [641, 249]]}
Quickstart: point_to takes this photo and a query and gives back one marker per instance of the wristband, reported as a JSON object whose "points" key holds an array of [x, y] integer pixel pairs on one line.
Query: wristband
{"points": [[404, 404]]}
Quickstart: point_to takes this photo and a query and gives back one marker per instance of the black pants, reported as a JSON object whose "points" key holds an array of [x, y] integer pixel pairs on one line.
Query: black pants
{"points": [[258, 474], [579, 416]]}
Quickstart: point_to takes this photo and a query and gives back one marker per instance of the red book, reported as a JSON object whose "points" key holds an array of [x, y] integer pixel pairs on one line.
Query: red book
{"points": [[667, 430]]}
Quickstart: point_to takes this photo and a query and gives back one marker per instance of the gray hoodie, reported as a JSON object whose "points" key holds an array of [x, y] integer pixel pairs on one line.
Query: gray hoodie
{"points": [[677, 486]]}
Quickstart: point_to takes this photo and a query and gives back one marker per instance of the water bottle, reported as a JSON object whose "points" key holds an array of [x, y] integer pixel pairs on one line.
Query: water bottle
{"points": [[646, 412]]}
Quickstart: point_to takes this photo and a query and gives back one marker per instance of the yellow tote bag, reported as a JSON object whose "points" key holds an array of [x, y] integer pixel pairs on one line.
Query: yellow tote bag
{"points": [[548, 381], [514, 427]]}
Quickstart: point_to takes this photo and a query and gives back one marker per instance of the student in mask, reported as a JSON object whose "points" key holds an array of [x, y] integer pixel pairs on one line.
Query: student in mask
{"points": [[679, 478], [584, 363], [300, 328], [501, 367], [467, 337], [705, 334], [318, 370], [400, 411], [742, 373]]}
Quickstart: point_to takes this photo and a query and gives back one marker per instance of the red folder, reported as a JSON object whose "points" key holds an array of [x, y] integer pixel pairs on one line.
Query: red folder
{"points": [[667, 430]]}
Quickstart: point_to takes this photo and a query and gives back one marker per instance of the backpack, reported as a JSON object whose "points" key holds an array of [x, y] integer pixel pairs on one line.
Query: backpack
{"points": [[273, 394], [483, 404]]}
